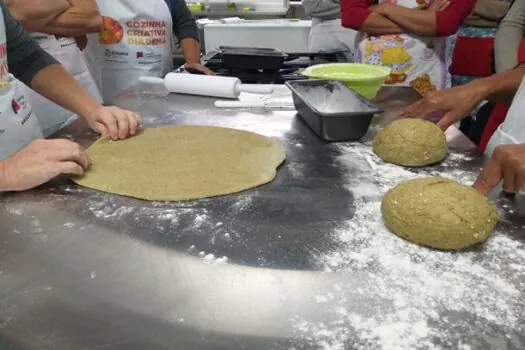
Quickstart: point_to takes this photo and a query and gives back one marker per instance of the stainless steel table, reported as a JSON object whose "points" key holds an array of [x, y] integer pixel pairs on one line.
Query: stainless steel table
{"points": [[301, 263]]}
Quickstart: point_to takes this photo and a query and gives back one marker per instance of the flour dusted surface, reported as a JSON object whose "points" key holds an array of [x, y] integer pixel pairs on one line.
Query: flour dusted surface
{"points": [[417, 298]]}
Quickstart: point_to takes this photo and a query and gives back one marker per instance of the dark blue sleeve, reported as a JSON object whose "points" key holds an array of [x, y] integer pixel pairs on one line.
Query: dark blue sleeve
{"points": [[24, 57], [184, 24]]}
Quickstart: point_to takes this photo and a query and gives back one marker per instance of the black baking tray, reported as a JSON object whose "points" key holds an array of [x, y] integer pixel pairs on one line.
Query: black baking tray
{"points": [[332, 110], [251, 58]]}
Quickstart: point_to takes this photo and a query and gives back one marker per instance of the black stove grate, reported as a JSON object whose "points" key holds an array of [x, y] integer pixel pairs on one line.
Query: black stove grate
{"points": [[291, 69]]}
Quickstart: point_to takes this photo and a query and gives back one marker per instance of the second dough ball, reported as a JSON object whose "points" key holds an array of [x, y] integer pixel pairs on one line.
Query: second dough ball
{"points": [[439, 213], [411, 142]]}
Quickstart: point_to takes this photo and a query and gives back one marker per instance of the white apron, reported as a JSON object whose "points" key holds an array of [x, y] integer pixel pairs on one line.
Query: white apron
{"points": [[330, 35], [419, 62], [18, 124], [136, 42], [512, 130], [51, 116]]}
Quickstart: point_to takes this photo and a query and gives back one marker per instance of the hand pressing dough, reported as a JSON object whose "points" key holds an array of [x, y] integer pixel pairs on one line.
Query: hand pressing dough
{"points": [[182, 163], [411, 142], [439, 213]]}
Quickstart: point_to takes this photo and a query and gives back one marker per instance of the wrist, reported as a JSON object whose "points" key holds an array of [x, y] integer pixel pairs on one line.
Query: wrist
{"points": [[89, 110], [193, 60], [6, 183], [481, 90]]}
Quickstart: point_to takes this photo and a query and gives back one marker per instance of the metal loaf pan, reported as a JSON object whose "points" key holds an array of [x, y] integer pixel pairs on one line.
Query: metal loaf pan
{"points": [[332, 110]]}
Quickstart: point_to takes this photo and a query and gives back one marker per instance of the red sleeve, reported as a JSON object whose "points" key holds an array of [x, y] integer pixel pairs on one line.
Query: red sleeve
{"points": [[354, 13], [521, 52], [449, 20]]}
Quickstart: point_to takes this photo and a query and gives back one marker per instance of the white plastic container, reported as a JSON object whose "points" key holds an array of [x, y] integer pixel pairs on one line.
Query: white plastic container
{"points": [[289, 36]]}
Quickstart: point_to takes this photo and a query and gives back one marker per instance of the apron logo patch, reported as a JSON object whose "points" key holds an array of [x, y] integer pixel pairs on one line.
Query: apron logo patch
{"points": [[17, 104], [110, 53], [148, 58], [113, 32], [144, 33]]}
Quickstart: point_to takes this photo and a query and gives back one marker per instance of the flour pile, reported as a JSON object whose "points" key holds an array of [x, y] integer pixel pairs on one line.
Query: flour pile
{"points": [[416, 298]]}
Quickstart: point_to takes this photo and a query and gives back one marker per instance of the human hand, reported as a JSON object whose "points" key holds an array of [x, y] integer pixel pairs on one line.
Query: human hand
{"points": [[114, 122], [41, 161], [198, 67], [438, 5], [507, 164], [452, 104]]}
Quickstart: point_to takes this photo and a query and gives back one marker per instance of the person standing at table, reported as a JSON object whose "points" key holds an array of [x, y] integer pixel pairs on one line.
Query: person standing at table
{"points": [[509, 52], [506, 147], [408, 36], [53, 24], [137, 41], [26, 159], [326, 32]]}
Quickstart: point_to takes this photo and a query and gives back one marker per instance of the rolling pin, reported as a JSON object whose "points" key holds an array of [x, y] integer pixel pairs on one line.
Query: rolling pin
{"points": [[206, 85]]}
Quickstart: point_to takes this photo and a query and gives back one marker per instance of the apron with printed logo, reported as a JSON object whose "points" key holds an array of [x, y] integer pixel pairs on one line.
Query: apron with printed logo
{"points": [[512, 130], [136, 42], [51, 116], [18, 124], [416, 61]]}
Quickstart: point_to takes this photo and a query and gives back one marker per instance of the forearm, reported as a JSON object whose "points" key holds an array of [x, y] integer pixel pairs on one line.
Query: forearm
{"points": [[377, 24], [500, 87], [81, 18], [420, 22], [64, 90], [358, 15], [185, 28], [32, 15], [506, 46], [191, 49], [25, 58]]}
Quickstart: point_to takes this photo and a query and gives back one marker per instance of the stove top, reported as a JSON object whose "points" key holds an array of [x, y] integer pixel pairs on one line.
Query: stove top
{"points": [[291, 68]]}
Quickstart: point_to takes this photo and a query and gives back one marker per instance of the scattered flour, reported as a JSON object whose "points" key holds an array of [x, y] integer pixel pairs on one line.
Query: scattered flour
{"points": [[414, 295], [200, 219], [243, 201], [296, 170], [386, 176], [13, 209], [211, 259]]}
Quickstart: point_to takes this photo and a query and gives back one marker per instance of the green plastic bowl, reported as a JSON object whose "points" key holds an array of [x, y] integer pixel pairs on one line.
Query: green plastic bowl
{"points": [[365, 79]]}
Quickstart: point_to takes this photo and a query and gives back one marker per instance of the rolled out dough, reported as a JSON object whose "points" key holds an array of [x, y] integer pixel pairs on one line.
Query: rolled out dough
{"points": [[411, 142], [439, 213], [182, 163]]}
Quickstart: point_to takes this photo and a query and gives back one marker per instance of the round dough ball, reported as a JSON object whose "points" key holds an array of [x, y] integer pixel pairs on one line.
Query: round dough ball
{"points": [[439, 213], [411, 142]]}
